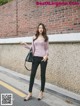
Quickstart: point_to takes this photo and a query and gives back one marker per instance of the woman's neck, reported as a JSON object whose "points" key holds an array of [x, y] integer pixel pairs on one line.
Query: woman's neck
{"points": [[40, 35]]}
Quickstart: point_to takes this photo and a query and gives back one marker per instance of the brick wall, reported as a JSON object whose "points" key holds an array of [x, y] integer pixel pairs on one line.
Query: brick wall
{"points": [[20, 18]]}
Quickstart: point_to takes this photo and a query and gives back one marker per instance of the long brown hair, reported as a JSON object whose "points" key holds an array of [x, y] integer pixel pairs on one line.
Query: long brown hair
{"points": [[43, 33]]}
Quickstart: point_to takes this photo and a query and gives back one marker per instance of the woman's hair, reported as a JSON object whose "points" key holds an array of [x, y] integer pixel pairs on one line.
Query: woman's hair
{"points": [[43, 33]]}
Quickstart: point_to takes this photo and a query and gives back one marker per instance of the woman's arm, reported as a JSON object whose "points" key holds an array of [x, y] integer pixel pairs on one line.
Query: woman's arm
{"points": [[47, 51], [26, 45], [47, 48]]}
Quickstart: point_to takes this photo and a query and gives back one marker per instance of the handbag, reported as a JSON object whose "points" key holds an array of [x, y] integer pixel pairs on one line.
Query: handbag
{"points": [[29, 58]]}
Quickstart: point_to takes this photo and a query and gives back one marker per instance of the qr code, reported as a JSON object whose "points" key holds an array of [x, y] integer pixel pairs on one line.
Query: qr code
{"points": [[6, 99]]}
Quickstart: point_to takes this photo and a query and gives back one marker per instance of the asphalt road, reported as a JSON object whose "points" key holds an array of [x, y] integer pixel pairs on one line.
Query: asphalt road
{"points": [[18, 100]]}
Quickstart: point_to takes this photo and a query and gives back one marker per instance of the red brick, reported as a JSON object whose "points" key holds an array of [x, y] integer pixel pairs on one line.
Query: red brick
{"points": [[57, 19]]}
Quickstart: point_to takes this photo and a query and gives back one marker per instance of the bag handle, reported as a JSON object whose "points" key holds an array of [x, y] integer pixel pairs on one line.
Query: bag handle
{"points": [[26, 67], [25, 60]]}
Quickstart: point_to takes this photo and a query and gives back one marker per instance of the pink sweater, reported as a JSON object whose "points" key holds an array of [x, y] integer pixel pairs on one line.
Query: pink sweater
{"points": [[39, 48]]}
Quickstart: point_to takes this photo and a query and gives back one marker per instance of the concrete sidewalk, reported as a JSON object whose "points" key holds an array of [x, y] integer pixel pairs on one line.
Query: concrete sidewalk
{"points": [[51, 98]]}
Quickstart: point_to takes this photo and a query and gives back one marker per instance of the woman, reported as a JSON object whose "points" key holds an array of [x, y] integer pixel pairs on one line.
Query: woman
{"points": [[40, 56]]}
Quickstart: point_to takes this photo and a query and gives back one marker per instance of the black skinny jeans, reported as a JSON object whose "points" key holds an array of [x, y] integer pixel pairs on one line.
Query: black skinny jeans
{"points": [[36, 61]]}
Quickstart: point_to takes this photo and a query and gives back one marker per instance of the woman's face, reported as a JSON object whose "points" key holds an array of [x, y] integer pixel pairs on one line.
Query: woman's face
{"points": [[40, 29]]}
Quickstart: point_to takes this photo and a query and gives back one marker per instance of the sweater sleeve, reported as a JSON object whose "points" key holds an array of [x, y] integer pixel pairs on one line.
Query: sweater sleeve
{"points": [[47, 48], [28, 46], [31, 46]]}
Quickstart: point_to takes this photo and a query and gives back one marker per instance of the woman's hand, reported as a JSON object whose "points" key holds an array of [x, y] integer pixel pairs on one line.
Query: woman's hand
{"points": [[45, 58], [23, 43]]}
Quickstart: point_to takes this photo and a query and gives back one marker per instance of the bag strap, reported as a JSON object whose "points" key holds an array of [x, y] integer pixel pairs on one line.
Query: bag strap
{"points": [[25, 60], [26, 67]]}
